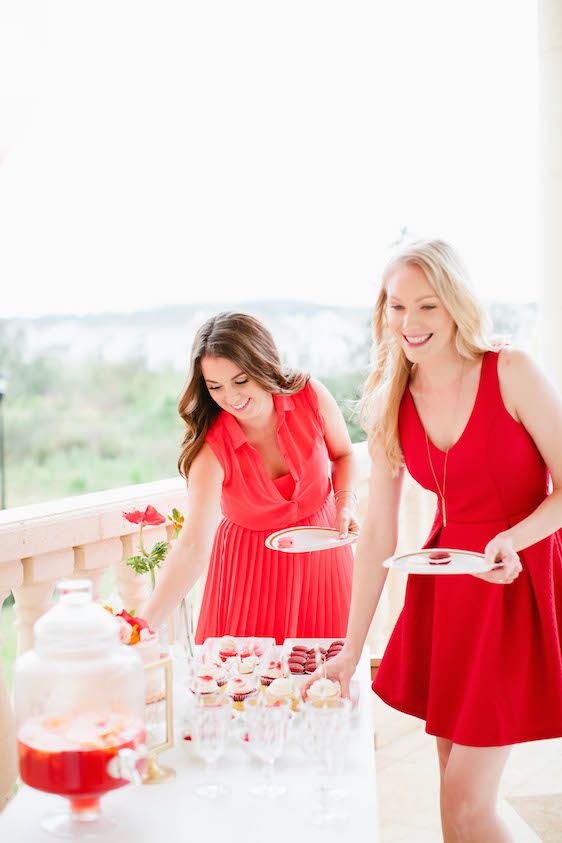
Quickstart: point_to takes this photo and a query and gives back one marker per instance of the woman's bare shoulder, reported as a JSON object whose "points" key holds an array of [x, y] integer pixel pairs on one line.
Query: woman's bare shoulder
{"points": [[206, 466]]}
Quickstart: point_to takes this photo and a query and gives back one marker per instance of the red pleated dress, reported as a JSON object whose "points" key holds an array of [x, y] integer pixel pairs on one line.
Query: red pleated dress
{"points": [[480, 663], [250, 589]]}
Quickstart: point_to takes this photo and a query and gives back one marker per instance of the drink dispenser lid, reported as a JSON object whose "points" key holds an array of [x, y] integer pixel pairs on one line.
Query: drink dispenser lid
{"points": [[75, 622]]}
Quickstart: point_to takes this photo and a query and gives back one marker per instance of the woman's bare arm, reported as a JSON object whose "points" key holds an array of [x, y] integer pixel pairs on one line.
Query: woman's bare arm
{"points": [[345, 471], [377, 541], [536, 404], [186, 562]]}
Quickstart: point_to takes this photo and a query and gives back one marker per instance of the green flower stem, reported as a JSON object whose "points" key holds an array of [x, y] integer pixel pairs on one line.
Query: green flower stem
{"points": [[148, 559], [141, 544]]}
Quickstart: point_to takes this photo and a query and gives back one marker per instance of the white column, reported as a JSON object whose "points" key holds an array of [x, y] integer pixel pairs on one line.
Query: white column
{"points": [[8, 756], [550, 75]]}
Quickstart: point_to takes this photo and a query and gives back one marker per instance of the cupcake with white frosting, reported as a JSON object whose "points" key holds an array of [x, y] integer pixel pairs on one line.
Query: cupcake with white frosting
{"points": [[324, 692], [204, 684], [282, 690], [216, 670], [247, 666]]}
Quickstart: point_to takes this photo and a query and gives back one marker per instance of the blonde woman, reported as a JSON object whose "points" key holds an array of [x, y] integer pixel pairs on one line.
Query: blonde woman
{"points": [[477, 657], [270, 449]]}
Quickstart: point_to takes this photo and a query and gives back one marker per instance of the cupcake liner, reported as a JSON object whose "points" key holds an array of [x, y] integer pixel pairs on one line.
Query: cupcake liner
{"points": [[242, 696]]}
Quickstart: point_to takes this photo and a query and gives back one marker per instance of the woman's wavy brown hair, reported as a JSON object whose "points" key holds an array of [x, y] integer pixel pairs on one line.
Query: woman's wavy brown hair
{"points": [[242, 339]]}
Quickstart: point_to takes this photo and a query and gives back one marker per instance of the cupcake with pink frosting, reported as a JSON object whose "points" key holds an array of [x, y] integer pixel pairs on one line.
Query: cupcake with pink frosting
{"points": [[240, 689], [204, 684], [273, 670]]}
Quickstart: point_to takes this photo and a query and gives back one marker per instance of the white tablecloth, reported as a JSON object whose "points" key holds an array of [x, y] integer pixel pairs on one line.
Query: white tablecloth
{"points": [[172, 812]]}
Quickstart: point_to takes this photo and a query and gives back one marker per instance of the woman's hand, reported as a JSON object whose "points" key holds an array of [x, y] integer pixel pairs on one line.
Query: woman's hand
{"points": [[345, 520], [341, 667], [500, 549]]}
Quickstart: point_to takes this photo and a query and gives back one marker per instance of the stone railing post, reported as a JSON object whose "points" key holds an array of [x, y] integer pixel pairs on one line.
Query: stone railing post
{"points": [[91, 561], [9, 574], [33, 597]]}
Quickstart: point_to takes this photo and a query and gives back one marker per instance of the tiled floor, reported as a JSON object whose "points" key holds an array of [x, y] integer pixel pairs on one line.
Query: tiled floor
{"points": [[408, 784]]}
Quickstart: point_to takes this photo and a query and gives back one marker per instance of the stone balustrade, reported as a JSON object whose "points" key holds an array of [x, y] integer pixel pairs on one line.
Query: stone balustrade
{"points": [[87, 536]]}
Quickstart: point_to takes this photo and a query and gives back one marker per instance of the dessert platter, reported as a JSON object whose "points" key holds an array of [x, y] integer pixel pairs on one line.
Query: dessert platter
{"points": [[441, 560], [307, 539], [229, 667]]}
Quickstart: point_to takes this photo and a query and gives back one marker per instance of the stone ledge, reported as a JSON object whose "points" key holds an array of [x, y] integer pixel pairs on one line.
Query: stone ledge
{"points": [[82, 520]]}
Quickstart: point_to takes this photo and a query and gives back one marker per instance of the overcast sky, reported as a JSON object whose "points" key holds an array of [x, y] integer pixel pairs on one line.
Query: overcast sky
{"points": [[173, 152]]}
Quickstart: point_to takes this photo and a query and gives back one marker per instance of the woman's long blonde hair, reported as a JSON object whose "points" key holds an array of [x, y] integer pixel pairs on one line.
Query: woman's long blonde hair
{"points": [[384, 388], [244, 340]]}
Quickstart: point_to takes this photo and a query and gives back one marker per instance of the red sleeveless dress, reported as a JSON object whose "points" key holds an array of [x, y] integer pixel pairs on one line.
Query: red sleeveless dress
{"points": [[481, 663], [250, 589]]}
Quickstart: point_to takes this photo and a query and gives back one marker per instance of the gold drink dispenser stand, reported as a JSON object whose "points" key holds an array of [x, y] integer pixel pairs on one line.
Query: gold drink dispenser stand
{"points": [[159, 718]]}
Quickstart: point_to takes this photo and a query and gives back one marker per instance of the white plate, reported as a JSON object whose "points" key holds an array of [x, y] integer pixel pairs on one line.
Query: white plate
{"points": [[462, 562], [308, 539]]}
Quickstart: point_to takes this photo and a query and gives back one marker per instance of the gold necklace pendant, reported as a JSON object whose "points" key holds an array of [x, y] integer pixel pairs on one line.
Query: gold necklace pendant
{"points": [[440, 490]]}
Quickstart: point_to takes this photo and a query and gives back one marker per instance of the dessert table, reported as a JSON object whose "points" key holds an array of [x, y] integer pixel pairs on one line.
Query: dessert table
{"points": [[171, 811]]}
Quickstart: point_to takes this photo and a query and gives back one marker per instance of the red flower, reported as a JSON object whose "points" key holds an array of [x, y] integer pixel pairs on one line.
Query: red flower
{"points": [[133, 620], [150, 517]]}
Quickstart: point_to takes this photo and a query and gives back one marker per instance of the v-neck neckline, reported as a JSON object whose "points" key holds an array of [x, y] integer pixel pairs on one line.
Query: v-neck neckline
{"points": [[280, 411], [470, 418]]}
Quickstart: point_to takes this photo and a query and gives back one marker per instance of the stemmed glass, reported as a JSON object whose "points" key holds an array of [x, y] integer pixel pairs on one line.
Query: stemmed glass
{"points": [[327, 732], [210, 723], [267, 732]]}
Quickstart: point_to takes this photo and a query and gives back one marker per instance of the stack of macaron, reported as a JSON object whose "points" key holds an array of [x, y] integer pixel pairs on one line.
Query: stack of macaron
{"points": [[303, 659], [439, 557], [285, 541]]}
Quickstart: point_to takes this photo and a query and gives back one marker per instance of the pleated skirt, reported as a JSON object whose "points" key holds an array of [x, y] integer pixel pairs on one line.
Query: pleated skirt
{"points": [[254, 591]]}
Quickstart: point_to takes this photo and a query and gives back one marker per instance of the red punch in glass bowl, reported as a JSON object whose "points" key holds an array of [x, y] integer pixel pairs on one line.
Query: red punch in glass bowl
{"points": [[79, 698]]}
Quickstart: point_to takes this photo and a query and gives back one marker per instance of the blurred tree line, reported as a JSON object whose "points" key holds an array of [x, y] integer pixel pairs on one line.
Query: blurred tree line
{"points": [[75, 428]]}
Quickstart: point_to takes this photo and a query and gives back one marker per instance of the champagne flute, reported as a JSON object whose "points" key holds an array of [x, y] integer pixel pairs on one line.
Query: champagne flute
{"points": [[267, 732], [210, 722], [327, 732]]}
